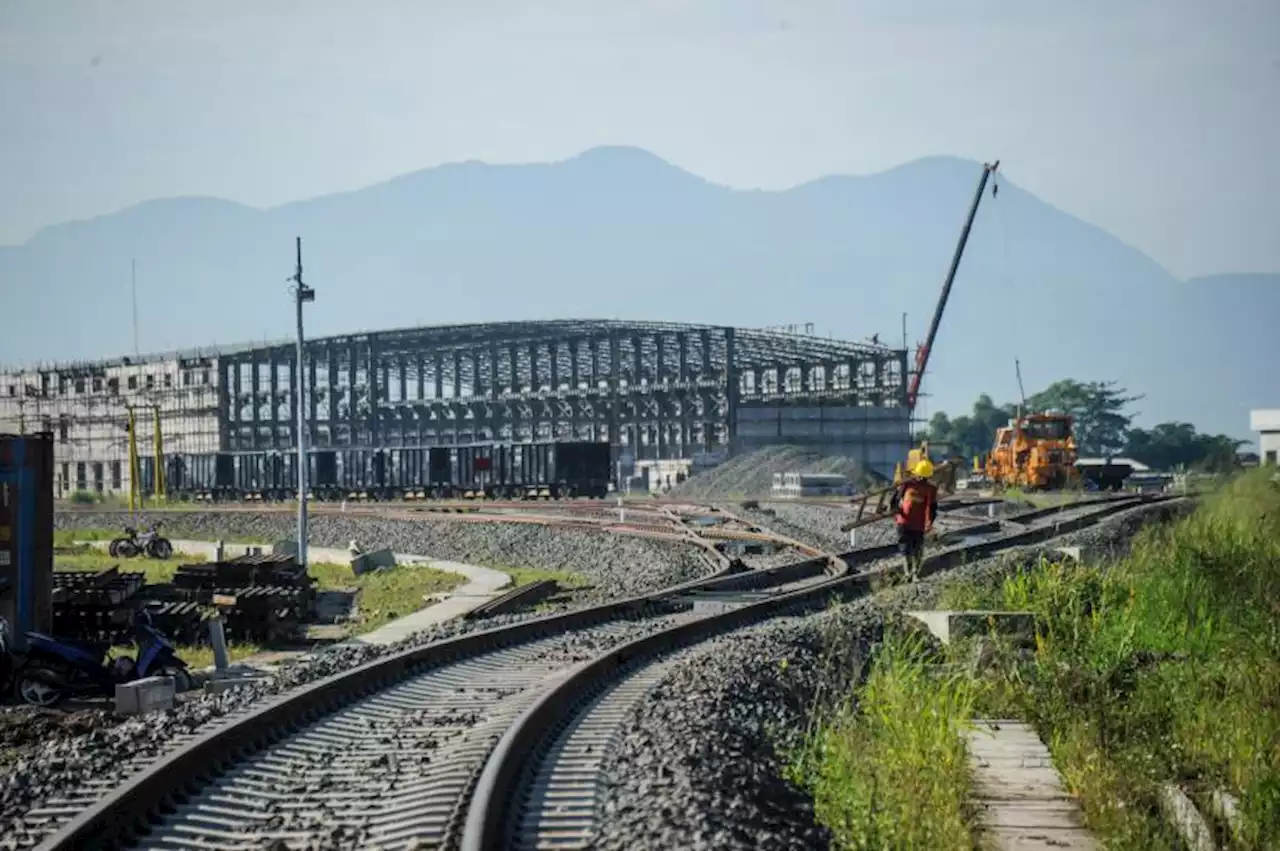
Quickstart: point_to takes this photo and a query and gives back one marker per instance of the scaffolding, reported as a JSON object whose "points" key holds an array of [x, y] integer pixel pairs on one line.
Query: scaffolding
{"points": [[657, 390], [89, 407]]}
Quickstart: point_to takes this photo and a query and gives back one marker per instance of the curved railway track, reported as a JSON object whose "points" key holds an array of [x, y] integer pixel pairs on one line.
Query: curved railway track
{"points": [[540, 788], [651, 522], [432, 747]]}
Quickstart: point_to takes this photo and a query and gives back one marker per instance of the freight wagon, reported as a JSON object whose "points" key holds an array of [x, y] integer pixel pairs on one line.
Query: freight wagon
{"points": [[547, 470]]}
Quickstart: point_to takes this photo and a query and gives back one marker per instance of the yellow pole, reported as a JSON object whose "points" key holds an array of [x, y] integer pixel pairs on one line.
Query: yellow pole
{"points": [[134, 491], [160, 488]]}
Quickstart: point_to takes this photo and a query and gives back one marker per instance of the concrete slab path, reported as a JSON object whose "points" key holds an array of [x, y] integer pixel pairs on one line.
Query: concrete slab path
{"points": [[482, 584], [1022, 803]]}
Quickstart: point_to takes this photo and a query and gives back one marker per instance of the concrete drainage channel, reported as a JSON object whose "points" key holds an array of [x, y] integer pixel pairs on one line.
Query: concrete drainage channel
{"points": [[387, 754]]}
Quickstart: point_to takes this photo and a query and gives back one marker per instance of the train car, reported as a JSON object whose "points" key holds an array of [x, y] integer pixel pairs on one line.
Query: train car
{"points": [[534, 470], [583, 469]]}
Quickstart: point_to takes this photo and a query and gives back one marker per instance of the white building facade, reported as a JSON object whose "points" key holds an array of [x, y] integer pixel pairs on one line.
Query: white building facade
{"points": [[86, 407], [1266, 423]]}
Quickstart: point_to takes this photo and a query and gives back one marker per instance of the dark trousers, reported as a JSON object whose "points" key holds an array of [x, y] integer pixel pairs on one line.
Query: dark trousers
{"points": [[911, 545]]}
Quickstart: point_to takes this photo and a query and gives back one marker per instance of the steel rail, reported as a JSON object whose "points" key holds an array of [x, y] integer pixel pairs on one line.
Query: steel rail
{"points": [[125, 810], [508, 770], [521, 595], [674, 533]]}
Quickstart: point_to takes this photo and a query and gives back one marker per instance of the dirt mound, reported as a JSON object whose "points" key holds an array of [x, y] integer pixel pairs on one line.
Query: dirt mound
{"points": [[751, 475]]}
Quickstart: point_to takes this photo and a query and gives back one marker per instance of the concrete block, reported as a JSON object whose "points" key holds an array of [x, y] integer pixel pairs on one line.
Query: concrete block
{"points": [[284, 548], [373, 560], [1181, 812], [950, 625], [145, 695]]}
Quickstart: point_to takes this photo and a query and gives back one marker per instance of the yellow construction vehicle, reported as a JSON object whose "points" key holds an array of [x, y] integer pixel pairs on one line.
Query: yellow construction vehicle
{"points": [[1036, 452], [944, 471]]}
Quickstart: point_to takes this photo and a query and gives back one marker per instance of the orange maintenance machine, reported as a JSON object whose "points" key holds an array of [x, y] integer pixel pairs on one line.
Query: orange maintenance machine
{"points": [[1035, 451]]}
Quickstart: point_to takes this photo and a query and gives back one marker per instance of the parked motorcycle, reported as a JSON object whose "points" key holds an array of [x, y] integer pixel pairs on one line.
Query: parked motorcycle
{"points": [[132, 544], [56, 669]]}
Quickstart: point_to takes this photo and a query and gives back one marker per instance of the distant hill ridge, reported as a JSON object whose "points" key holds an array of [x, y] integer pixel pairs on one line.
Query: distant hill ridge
{"points": [[618, 232]]}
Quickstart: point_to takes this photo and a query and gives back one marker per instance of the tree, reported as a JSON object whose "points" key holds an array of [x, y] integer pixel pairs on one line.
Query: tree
{"points": [[1098, 408], [1101, 425], [1168, 446], [970, 434]]}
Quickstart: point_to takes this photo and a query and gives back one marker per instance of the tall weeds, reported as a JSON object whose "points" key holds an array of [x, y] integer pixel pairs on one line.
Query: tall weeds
{"points": [[1162, 667], [887, 767]]}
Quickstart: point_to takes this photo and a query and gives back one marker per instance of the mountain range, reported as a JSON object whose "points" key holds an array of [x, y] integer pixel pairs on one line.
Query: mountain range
{"points": [[620, 233]]}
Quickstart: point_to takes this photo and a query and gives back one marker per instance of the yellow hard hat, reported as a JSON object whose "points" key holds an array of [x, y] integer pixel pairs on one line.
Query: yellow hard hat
{"points": [[924, 469]]}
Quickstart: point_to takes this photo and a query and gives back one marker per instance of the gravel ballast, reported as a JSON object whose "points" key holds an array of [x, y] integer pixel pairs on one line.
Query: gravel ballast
{"points": [[114, 749], [72, 748], [698, 764], [697, 767], [618, 566]]}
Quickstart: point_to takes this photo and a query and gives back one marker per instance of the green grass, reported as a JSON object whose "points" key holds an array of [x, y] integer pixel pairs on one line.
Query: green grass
{"points": [[72, 537], [157, 570], [524, 575], [888, 768], [385, 595], [1163, 667]]}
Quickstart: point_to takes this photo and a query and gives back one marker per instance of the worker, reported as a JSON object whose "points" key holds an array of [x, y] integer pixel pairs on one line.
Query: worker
{"points": [[915, 507]]}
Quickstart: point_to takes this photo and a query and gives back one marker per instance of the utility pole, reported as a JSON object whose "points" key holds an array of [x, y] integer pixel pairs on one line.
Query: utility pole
{"points": [[302, 294], [133, 292]]}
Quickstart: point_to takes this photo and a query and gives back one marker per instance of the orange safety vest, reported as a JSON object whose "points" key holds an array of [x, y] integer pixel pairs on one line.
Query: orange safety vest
{"points": [[915, 507]]}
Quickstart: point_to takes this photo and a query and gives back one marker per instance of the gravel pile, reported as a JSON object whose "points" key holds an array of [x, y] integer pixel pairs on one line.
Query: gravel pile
{"points": [[751, 474], [699, 763], [617, 566]]}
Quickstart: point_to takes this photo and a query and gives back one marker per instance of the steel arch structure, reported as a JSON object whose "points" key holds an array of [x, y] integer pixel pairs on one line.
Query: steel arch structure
{"points": [[656, 389]]}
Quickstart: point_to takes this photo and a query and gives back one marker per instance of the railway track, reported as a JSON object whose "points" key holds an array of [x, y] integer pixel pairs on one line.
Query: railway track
{"points": [[428, 748], [653, 525], [540, 788]]}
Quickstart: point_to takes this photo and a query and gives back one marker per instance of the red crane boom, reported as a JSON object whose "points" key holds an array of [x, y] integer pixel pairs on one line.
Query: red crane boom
{"points": [[922, 351]]}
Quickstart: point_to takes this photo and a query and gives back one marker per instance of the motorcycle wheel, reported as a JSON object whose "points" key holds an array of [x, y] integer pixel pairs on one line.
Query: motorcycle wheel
{"points": [[127, 549], [159, 548], [181, 679], [35, 692], [113, 548]]}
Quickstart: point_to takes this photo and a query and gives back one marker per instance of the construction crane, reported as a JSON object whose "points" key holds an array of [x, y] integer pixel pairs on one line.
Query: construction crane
{"points": [[923, 350], [945, 472]]}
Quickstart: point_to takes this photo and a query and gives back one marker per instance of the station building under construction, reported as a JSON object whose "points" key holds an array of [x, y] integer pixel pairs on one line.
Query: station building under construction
{"points": [[656, 391]]}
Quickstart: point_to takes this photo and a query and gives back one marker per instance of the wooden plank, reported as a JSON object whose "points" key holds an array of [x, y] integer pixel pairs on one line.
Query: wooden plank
{"points": [[1019, 794]]}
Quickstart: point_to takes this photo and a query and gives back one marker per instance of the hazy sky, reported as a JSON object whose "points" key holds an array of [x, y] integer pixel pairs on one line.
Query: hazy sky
{"points": [[1156, 119]]}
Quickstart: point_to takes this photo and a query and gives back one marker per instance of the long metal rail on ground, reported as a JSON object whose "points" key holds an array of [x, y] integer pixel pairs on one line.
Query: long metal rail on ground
{"points": [[401, 750]]}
